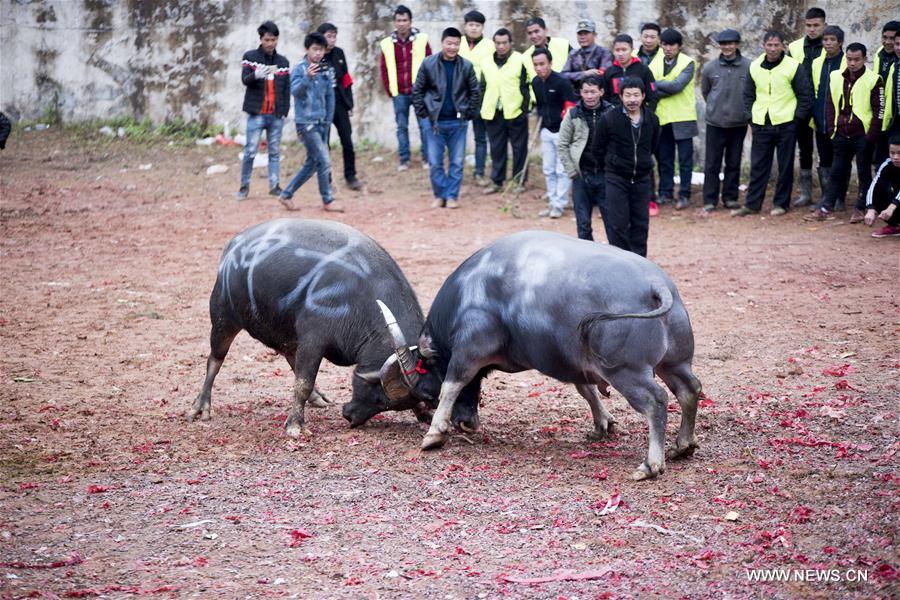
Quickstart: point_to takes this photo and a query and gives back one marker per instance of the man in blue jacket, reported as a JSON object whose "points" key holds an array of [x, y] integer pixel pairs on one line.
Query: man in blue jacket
{"points": [[267, 101], [313, 91]]}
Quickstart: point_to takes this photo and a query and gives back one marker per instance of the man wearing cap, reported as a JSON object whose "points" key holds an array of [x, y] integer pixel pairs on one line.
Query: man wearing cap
{"points": [[402, 54], [677, 113], [805, 50], [777, 95], [343, 102], [558, 47], [477, 49], [722, 86], [589, 58], [853, 113], [831, 59]]}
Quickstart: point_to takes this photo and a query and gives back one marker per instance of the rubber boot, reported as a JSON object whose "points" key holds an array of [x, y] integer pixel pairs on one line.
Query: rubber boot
{"points": [[805, 188], [825, 184]]}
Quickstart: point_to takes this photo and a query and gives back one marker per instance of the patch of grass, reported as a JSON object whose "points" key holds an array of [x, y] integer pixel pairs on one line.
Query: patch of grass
{"points": [[143, 131]]}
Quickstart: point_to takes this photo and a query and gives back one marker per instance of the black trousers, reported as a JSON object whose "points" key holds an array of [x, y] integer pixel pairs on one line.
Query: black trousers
{"points": [[588, 190], [846, 150], [626, 212], [767, 139], [805, 143], [727, 142], [825, 149], [508, 131], [345, 133]]}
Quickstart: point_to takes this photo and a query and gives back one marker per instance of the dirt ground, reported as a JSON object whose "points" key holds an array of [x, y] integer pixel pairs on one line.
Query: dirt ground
{"points": [[106, 490]]}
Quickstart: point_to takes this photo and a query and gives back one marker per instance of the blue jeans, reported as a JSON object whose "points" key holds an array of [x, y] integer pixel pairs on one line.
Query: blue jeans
{"points": [[588, 191], [313, 137], [479, 130], [255, 126], [402, 104], [666, 158], [452, 135]]}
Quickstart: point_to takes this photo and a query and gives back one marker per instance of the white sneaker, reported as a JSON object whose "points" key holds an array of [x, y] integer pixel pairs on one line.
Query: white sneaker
{"points": [[555, 213], [403, 167], [545, 212]]}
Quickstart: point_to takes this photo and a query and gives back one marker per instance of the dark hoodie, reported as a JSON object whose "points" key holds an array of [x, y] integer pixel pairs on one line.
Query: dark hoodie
{"points": [[616, 73], [629, 149]]}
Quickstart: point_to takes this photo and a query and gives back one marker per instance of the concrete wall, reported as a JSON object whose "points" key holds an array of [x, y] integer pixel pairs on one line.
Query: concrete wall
{"points": [[166, 59]]}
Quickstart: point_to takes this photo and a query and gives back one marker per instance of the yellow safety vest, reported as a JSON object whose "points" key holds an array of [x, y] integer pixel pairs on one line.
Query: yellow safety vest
{"points": [[817, 66], [795, 50], [774, 93], [860, 96], [482, 51], [655, 62], [559, 49], [889, 99], [390, 61], [683, 105], [502, 84]]}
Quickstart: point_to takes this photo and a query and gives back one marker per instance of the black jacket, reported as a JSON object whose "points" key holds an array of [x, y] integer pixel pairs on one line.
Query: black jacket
{"points": [[615, 74], [5, 128], [343, 83], [553, 97], [256, 88], [629, 151], [431, 83]]}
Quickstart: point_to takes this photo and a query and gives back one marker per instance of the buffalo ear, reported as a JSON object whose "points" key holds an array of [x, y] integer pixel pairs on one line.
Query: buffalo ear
{"points": [[426, 346]]}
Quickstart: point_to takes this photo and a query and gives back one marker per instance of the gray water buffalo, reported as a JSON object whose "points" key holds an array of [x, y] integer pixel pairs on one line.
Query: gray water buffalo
{"points": [[308, 290], [577, 311]]}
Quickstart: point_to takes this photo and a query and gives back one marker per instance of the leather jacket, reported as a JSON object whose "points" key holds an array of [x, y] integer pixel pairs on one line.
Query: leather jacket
{"points": [[430, 87]]}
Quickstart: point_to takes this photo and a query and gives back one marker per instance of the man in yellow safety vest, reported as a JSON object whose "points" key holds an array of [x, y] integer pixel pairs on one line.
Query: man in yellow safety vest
{"points": [[805, 50], [777, 95], [853, 113], [506, 101], [885, 64], [648, 52], [832, 59], [559, 47], [476, 49], [677, 113], [402, 54]]}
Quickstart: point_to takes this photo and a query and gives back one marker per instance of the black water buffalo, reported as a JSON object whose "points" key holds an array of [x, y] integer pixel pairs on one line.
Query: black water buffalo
{"points": [[577, 311], [308, 290]]}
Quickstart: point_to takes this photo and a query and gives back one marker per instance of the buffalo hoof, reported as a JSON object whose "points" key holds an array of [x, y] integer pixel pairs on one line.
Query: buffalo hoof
{"points": [[647, 471], [423, 413], [682, 450], [467, 427], [602, 432], [434, 440], [297, 431], [199, 408], [317, 399]]}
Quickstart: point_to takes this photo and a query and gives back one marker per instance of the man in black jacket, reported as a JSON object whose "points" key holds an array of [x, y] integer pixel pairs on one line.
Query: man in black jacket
{"points": [[446, 96], [630, 135], [343, 101], [625, 64], [267, 100]]}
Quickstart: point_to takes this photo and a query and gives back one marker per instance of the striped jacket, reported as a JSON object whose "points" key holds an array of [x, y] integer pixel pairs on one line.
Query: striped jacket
{"points": [[256, 88]]}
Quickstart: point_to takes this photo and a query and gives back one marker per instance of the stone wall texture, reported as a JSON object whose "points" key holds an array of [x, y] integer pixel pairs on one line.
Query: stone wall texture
{"points": [[169, 59]]}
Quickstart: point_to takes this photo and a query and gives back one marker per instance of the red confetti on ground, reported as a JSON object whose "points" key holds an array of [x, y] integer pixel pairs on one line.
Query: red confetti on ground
{"points": [[73, 560]]}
